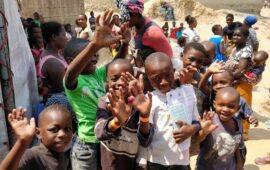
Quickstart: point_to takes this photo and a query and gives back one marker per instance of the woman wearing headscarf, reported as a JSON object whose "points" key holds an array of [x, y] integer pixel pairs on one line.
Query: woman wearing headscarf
{"points": [[252, 38], [148, 34]]}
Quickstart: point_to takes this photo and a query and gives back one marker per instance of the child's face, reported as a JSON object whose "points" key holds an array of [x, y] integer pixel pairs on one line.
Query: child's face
{"points": [[219, 31], [82, 21], [55, 130], [257, 60], [91, 66], [193, 58], [221, 80], [113, 77], [229, 21], [61, 39], [161, 76], [39, 43], [226, 105], [211, 53], [238, 37]]}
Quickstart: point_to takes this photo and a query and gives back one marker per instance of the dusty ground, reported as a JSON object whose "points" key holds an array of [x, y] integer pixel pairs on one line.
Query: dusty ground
{"points": [[259, 141]]}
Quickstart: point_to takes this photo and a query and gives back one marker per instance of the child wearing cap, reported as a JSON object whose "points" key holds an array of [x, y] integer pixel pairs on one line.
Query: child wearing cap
{"points": [[252, 38]]}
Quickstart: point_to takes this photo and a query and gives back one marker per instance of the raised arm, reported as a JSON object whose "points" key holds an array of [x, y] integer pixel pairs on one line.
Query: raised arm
{"points": [[103, 38], [215, 67], [24, 133]]}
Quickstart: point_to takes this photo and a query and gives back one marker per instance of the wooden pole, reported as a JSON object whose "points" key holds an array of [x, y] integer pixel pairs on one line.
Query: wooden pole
{"points": [[7, 99]]}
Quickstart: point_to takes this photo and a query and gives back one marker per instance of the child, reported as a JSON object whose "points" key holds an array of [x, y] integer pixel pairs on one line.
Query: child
{"points": [[92, 19], [219, 42], [190, 32], [171, 141], [252, 40], [173, 30], [84, 86], [180, 30], [220, 149], [210, 49], [123, 125], [241, 55], [165, 29], [54, 132], [221, 79], [177, 53], [258, 66]]}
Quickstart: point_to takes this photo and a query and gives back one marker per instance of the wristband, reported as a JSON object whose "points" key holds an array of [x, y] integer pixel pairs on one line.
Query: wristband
{"points": [[114, 125], [144, 119]]}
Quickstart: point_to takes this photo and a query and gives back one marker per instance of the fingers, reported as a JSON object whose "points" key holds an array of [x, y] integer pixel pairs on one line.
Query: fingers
{"points": [[180, 123], [32, 122], [108, 20], [121, 97], [150, 97], [97, 21], [103, 18], [141, 84]]}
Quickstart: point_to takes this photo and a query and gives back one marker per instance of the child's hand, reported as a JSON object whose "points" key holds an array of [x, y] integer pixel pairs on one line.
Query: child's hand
{"points": [[186, 75], [118, 106], [23, 129], [216, 67], [253, 120], [141, 102], [126, 33], [103, 36], [184, 132], [207, 123]]}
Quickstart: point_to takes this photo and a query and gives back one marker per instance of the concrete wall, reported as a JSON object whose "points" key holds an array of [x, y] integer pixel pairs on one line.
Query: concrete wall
{"points": [[63, 11], [238, 5]]}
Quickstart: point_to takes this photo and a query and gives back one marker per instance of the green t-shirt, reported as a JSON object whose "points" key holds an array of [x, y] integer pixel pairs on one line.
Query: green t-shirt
{"points": [[84, 101]]}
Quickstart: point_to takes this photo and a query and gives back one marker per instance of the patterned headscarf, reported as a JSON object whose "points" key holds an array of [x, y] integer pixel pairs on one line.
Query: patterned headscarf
{"points": [[129, 6]]}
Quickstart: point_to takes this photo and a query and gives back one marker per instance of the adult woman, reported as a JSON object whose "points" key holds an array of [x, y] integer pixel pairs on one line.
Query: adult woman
{"points": [[190, 33], [52, 65], [148, 34], [85, 31]]}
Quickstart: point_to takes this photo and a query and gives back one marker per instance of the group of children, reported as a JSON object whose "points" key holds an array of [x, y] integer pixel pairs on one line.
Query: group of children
{"points": [[151, 115]]}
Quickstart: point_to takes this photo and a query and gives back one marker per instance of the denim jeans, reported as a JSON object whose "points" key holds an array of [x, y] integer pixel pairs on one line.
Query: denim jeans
{"points": [[84, 156]]}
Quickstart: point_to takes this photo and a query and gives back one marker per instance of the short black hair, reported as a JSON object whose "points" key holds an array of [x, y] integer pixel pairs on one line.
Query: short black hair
{"points": [[74, 47], [49, 29], [215, 28], [121, 61], [195, 46], [243, 30], [230, 15], [31, 26], [189, 19], [181, 40]]}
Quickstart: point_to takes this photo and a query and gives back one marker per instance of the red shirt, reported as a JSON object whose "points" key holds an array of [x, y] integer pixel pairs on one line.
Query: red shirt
{"points": [[155, 38]]}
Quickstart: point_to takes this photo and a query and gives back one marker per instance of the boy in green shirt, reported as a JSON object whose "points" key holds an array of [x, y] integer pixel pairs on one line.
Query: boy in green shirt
{"points": [[84, 85]]}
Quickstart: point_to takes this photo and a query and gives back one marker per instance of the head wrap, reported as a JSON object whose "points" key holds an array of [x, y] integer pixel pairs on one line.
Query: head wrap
{"points": [[250, 20], [129, 6]]}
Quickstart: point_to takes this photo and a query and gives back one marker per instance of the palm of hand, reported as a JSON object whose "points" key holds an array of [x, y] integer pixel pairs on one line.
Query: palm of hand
{"points": [[122, 110], [208, 126], [104, 36], [216, 67], [143, 104], [22, 128]]}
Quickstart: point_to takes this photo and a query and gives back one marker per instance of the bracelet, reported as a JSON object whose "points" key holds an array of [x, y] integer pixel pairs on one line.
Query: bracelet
{"points": [[144, 119], [114, 125]]}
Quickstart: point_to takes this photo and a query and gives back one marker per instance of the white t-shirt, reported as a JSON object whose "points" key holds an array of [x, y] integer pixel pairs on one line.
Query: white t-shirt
{"points": [[191, 35], [163, 148]]}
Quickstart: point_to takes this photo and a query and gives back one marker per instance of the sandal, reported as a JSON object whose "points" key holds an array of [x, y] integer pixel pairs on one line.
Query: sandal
{"points": [[262, 160]]}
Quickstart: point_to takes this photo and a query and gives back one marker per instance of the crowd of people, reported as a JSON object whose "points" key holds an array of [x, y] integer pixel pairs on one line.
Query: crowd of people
{"points": [[152, 107]]}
